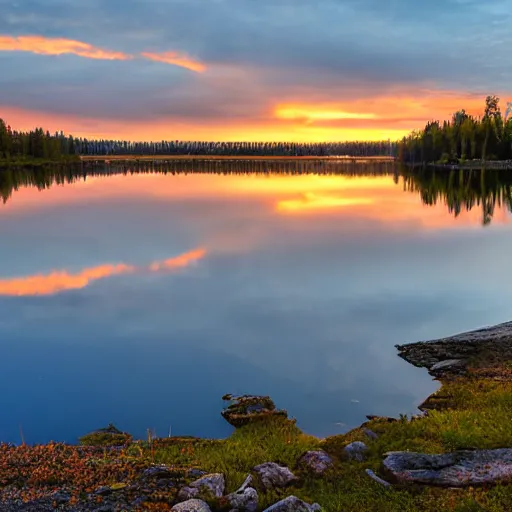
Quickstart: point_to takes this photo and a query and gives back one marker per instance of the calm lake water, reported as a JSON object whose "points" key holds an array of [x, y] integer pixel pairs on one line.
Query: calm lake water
{"points": [[141, 299]]}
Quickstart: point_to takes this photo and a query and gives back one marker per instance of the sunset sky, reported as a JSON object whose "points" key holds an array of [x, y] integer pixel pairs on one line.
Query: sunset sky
{"points": [[294, 70]]}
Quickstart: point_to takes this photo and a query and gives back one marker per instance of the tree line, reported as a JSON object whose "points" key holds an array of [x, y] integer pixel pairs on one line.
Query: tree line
{"points": [[464, 137], [40, 144], [36, 144], [118, 147]]}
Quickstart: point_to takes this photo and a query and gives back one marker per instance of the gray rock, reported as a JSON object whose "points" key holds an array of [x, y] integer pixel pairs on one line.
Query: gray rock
{"points": [[370, 433], [316, 461], [187, 493], [214, 483], [191, 506], [456, 469], [273, 475], [449, 364], [156, 472], [356, 451], [379, 480], [293, 504], [60, 498], [244, 499]]}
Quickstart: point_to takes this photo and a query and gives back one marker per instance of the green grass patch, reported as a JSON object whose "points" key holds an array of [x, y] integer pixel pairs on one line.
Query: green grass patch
{"points": [[472, 414]]}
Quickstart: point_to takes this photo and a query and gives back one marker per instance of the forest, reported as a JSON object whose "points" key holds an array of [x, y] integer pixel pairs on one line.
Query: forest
{"points": [[463, 138], [37, 144], [40, 144]]}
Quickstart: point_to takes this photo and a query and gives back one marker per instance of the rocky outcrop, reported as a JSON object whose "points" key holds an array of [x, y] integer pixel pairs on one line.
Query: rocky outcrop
{"points": [[355, 451], [248, 408], [272, 475], [191, 506], [457, 469], [293, 504], [317, 462], [446, 357]]}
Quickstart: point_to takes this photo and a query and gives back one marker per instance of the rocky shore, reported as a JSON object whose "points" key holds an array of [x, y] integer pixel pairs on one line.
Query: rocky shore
{"points": [[455, 455]]}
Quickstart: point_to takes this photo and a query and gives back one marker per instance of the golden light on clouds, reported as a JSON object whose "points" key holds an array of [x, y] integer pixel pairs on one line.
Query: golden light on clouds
{"points": [[57, 46], [62, 280], [176, 59]]}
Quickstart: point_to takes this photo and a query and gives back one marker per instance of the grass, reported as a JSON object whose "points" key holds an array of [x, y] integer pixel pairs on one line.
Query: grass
{"points": [[470, 413]]}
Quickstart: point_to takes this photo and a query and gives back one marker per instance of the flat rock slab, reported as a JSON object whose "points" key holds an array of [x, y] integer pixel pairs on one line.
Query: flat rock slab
{"points": [[293, 504], [457, 469], [449, 356], [245, 409], [273, 475], [317, 462]]}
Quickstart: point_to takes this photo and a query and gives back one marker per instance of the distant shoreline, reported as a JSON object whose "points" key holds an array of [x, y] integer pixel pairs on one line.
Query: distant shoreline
{"points": [[146, 158]]}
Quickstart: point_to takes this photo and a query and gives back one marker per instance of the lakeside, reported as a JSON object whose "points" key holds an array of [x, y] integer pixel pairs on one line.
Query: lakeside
{"points": [[149, 158], [471, 411]]}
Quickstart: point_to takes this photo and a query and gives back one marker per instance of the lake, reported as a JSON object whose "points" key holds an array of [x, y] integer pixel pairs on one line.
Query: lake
{"points": [[141, 298]]}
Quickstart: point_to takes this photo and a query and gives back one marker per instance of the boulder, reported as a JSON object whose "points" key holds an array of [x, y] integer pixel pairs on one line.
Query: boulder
{"points": [[244, 499], [356, 451], [191, 506], [456, 469], [213, 484], [247, 408], [293, 504], [370, 433], [317, 462], [272, 475]]}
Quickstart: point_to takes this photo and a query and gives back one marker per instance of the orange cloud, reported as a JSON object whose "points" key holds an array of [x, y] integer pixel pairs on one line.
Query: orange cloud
{"points": [[57, 46], [176, 59], [61, 280]]}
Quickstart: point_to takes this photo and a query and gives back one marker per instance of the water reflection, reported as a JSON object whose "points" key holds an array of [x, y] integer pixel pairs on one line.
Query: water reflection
{"points": [[61, 280], [141, 298], [459, 190]]}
